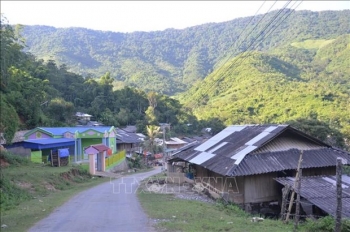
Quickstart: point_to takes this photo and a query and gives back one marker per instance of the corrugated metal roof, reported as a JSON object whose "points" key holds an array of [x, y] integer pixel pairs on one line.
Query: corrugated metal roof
{"points": [[127, 137], [97, 148], [217, 147], [80, 129], [241, 154], [219, 137], [233, 150], [287, 160], [100, 147], [49, 141], [285, 142], [321, 191], [201, 158], [184, 152]]}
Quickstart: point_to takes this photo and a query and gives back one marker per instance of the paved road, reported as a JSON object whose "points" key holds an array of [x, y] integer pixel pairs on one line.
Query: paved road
{"points": [[110, 206]]}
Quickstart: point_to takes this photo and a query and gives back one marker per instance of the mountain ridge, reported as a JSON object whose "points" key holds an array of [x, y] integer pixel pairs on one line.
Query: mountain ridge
{"points": [[180, 57]]}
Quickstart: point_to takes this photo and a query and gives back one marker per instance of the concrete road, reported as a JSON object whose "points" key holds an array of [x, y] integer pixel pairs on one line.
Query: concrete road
{"points": [[111, 206]]}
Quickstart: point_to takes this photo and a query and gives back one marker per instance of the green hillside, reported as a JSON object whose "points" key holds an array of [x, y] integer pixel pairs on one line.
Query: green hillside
{"points": [[283, 85], [312, 43], [171, 61], [298, 75]]}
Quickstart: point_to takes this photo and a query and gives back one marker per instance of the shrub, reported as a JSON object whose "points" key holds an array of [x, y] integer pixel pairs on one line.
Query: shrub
{"points": [[13, 159], [325, 224], [11, 195]]}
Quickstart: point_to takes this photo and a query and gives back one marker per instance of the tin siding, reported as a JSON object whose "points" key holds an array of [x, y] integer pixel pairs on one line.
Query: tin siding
{"points": [[319, 171], [234, 186], [260, 188], [286, 142]]}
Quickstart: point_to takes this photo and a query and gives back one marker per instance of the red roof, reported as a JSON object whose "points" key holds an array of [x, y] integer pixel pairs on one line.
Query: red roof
{"points": [[98, 147], [158, 156]]}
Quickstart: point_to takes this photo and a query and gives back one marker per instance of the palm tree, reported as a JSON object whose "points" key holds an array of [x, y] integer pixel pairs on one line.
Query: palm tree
{"points": [[152, 132]]}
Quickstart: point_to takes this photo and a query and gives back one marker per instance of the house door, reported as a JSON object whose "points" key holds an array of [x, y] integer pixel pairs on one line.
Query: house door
{"points": [[99, 163]]}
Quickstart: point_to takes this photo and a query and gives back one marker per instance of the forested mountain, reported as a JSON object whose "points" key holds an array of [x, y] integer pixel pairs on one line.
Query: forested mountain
{"points": [[171, 61], [298, 75], [304, 80], [35, 93]]}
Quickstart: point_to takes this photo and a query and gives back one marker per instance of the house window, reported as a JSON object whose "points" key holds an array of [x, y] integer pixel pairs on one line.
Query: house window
{"points": [[38, 134]]}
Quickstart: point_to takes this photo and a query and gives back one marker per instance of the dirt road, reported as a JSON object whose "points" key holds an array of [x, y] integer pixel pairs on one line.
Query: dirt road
{"points": [[111, 206]]}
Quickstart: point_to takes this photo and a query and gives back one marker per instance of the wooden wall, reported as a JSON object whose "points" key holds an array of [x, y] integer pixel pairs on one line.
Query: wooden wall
{"points": [[230, 188], [261, 188], [250, 189]]}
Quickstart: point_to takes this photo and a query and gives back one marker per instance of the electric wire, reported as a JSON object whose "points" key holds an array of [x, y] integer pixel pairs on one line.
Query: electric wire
{"points": [[242, 54], [223, 65], [268, 33], [263, 30], [232, 54]]}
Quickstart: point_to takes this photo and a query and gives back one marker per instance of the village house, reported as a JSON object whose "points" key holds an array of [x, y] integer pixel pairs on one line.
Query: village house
{"points": [[174, 143], [240, 164], [39, 142], [131, 142]]}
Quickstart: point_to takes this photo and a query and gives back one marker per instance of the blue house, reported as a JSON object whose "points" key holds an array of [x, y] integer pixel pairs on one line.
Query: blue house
{"points": [[43, 140]]}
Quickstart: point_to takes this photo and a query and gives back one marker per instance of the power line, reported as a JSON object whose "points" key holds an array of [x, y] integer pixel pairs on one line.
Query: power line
{"points": [[263, 30], [217, 70], [268, 33], [242, 54], [250, 22], [232, 54], [258, 23], [291, 11]]}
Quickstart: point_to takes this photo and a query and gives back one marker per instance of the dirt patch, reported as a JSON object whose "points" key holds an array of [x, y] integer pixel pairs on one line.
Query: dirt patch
{"points": [[24, 185], [184, 191], [3, 163], [49, 187], [66, 176], [28, 186]]}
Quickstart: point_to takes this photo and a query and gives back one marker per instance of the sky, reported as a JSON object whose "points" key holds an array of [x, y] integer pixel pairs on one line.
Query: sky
{"points": [[130, 16]]}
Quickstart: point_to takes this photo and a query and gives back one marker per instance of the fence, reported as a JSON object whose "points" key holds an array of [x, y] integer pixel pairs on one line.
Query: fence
{"points": [[115, 159]]}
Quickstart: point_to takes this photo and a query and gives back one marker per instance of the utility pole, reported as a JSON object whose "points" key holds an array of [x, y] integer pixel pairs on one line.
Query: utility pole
{"points": [[295, 186], [164, 158], [297, 206], [339, 195]]}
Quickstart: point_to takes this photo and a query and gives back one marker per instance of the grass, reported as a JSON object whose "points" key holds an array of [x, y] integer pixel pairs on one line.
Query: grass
{"points": [[185, 215], [30, 192], [174, 214], [312, 44]]}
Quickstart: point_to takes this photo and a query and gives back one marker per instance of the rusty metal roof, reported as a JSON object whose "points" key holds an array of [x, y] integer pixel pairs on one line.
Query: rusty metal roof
{"points": [[246, 150], [321, 191]]}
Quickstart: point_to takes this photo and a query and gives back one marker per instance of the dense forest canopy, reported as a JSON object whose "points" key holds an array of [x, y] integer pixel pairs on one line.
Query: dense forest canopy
{"points": [[38, 93], [299, 75], [171, 61], [305, 80]]}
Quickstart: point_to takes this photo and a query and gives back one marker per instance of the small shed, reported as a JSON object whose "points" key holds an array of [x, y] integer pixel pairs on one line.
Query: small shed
{"points": [[100, 151], [321, 192]]}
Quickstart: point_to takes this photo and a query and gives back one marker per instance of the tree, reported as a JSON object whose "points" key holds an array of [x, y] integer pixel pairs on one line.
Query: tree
{"points": [[108, 118], [10, 47], [123, 116], [9, 120], [320, 130], [60, 110], [152, 132]]}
